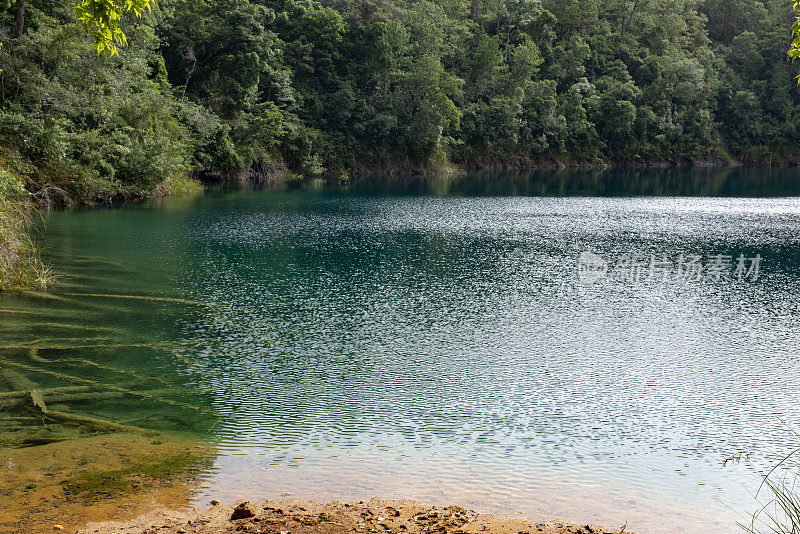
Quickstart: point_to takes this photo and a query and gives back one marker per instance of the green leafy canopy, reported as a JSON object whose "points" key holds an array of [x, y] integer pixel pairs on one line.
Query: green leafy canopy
{"points": [[102, 17], [794, 51]]}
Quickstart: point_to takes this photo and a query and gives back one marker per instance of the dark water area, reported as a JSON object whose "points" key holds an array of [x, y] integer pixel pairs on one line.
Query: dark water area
{"points": [[590, 345], [703, 182]]}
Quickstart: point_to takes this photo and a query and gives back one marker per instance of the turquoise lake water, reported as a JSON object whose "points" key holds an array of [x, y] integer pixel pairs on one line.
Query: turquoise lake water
{"points": [[433, 338]]}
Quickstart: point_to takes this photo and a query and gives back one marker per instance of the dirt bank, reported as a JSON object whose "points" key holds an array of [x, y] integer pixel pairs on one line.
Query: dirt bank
{"points": [[378, 516]]}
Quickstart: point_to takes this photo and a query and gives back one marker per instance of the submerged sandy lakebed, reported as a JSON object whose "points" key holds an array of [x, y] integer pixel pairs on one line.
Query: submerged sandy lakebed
{"points": [[295, 516]]}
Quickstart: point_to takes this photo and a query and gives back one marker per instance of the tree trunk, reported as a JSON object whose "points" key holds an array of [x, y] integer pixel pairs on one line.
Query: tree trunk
{"points": [[21, 17], [627, 23]]}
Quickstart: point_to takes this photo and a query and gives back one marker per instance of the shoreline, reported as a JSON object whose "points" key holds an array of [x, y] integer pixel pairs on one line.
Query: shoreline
{"points": [[300, 516]]}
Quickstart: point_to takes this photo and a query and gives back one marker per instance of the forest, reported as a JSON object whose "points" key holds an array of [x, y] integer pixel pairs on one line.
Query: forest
{"points": [[341, 87]]}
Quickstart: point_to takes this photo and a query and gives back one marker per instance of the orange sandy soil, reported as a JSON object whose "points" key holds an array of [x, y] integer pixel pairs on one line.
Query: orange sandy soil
{"points": [[378, 516], [100, 478]]}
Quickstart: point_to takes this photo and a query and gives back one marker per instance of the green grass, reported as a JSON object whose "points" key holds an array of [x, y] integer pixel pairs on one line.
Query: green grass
{"points": [[780, 507], [179, 185], [20, 266]]}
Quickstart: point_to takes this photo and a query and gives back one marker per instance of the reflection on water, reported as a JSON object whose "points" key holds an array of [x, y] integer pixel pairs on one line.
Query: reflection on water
{"points": [[731, 182], [431, 339]]}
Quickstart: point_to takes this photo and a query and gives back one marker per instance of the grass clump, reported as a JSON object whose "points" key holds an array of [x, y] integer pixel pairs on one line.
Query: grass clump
{"points": [[179, 185], [20, 266], [780, 509]]}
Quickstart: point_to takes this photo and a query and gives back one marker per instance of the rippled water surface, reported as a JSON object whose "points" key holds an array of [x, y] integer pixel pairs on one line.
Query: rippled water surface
{"points": [[432, 339]]}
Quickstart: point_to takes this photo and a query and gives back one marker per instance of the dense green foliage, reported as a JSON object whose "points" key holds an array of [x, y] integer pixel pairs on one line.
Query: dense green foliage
{"points": [[371, 85]]}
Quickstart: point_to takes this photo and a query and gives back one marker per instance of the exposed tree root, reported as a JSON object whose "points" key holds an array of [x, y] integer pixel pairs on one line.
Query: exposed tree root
{"points": [[152, 346], [67, 326], [139, 297], [73, 301], [16, 380], [33, 353], [49, 391], [100, 424], [96, 261], [69, 397], [21, 312], [98, 385], [61, 314]]}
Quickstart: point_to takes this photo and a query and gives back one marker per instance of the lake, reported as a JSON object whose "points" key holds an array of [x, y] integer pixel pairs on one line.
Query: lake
{"points": [[583, 345]]}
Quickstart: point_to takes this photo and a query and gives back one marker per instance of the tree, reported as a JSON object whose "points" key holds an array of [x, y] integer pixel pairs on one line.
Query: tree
{"points": [[102, 17], [394, 85], [20, 22], [794, 51], [729, 18]]}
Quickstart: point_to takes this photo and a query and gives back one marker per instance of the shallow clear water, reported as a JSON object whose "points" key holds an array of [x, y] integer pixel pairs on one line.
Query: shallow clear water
{"points": [[432, 338]]}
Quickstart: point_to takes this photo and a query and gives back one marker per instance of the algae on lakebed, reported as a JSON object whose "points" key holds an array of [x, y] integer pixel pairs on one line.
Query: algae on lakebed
{"points": [[92, 486], [106, 477]]}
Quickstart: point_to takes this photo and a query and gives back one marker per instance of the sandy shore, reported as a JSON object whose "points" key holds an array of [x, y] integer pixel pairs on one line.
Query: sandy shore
{"points": [[132, 483], [294, 516]]}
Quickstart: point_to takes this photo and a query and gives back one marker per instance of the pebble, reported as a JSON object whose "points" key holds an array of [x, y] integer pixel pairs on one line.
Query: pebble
{"points": [[58, 527], [214, 502]]}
